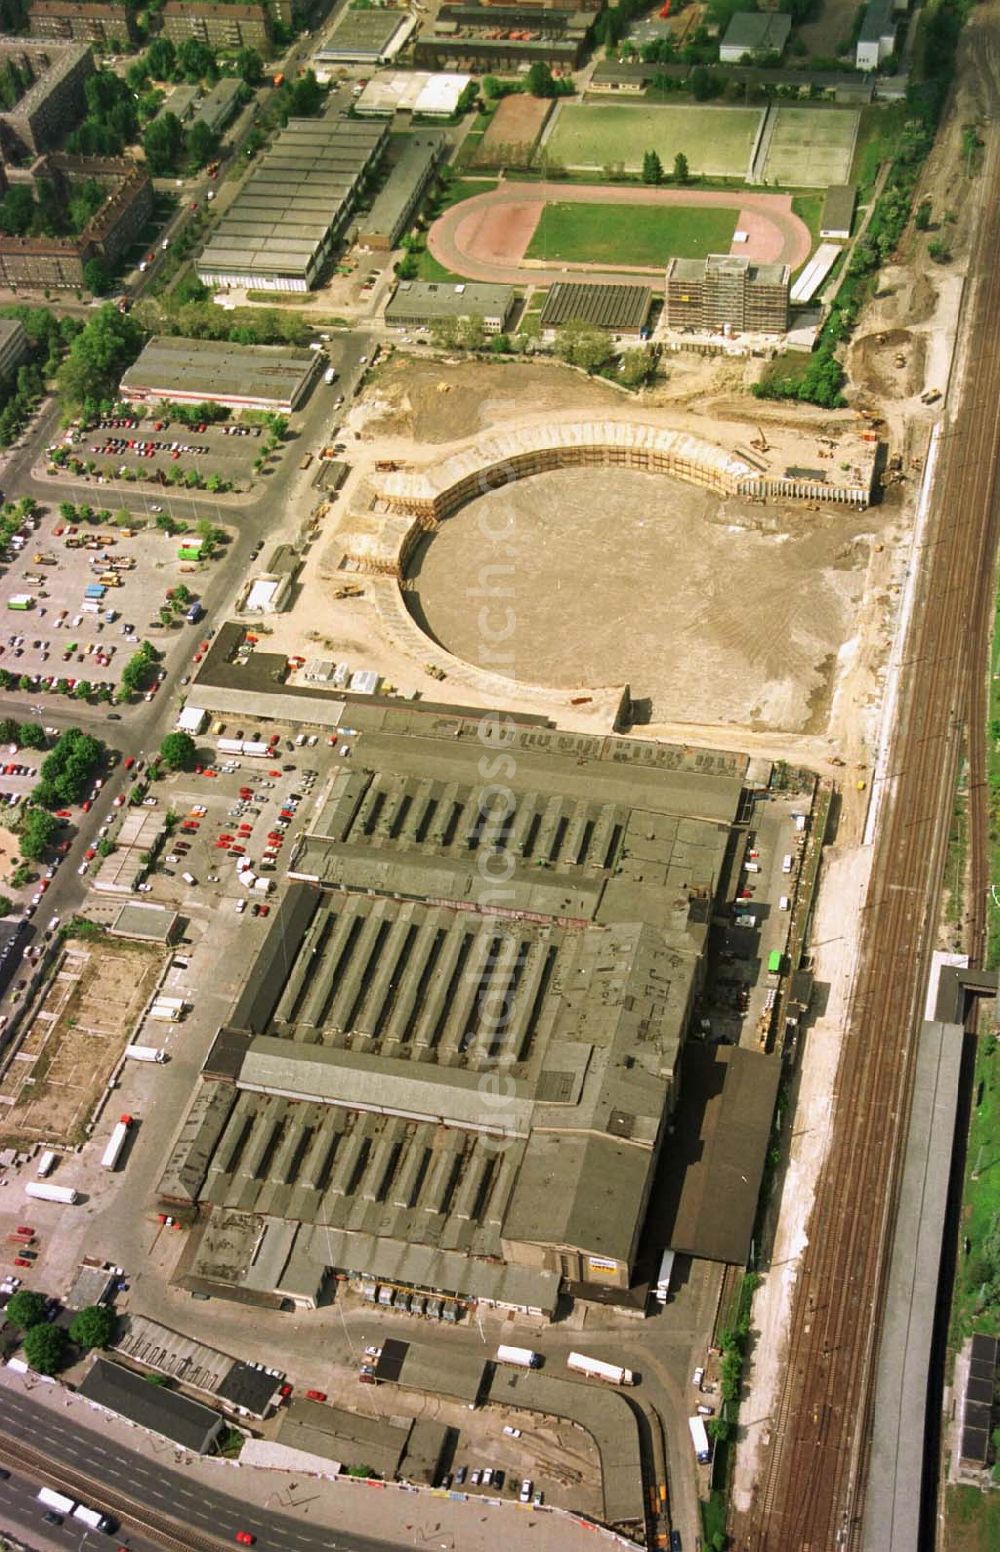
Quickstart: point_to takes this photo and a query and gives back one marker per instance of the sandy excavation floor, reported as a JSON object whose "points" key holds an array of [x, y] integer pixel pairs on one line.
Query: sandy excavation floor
{"points": [[711, 611]]}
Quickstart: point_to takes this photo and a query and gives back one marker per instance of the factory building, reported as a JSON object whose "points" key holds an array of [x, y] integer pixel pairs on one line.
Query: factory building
{"points": [[727, 294], [188, 371], [291, 213], [503, 37], [364, 37], [430, 1086], [419, 304]]}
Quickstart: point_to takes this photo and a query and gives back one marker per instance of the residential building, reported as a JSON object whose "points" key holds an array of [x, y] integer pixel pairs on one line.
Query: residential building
{"points": [[727, 294], [53, 103], [754, 35], [218, 26], [418, 304], [13, 345], [59, 262], [291, 213], [877, 39], [400, 198], [189, 371], [105, 23]]}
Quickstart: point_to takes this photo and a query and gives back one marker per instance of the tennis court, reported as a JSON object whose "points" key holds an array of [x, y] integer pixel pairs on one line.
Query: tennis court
{"points": [[716, 141], [812, 147]]}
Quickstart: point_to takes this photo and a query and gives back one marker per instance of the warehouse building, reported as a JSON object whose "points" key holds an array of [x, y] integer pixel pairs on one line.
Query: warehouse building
{"points": [[424, 1092], [13, 345], [188, 371], [754, 35], [402, 1451], [189, 1424], [838, 211], [364, 37], [620, 309], [107, 25], [59, 262], [291, 213], [218, 26], [419, 304], [503, 37], [54, 102], [399, 200], [727, 294]]}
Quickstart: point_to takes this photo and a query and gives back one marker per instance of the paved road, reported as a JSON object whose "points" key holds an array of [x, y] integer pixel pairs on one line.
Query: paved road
{"points": [[166, 1492], [21, 1517]]}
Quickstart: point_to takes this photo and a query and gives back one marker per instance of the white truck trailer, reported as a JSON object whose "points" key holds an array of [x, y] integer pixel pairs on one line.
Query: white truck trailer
{"points": [[662, 1287], [116, 1142], [699, 1438], [520, 1357], [43, 1192], [145, 1053], [93, 1518], [597, 1369], [46, 1164], [56, 1501]]}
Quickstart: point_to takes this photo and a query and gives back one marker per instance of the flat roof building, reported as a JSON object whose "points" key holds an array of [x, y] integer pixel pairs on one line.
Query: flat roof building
{"points": [[400, 198], [189, 1424], [219, 104], [430, 95], [621, 309], [492, 37], [754, 34], [362, 1113], [365, 37], [404, 1450], [188, 371], [839, 205], [877, 38], [283, 225], [418, 304], [727, 294]]}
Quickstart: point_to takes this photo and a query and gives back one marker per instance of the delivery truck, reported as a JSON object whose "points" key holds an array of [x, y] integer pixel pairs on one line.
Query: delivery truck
{"points": [[163, 1014], [597, 1369], [46, 1164], [662, 1287], [699, 1438], [94, 1518], [145, 1053], [116, 1142], [20, 601], [43, 1192], [57, 1502], [520, 1357]]}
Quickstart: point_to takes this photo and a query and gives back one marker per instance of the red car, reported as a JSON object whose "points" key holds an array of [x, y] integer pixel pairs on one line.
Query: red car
{"points": [[244, 1538], [25, 1228], [285, 1391], [85, 805], [265, 910], [316, 1395], [89, 854], [130, 761], [20, 1261]]}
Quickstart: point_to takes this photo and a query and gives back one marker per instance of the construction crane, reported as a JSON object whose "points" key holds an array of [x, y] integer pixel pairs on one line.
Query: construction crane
{"points": [[761, 444]]}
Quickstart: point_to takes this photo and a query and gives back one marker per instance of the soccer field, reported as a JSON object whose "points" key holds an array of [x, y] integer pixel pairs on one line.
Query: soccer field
{"points": [[716, 141], [644, 235], [812, 147]]}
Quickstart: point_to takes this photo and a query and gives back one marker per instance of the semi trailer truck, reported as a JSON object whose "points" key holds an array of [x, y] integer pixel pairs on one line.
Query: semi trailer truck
{"points": [[597, 1369]]}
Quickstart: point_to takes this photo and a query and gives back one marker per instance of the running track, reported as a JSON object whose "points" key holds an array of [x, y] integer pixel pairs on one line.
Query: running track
{"points": [[485, 238]]}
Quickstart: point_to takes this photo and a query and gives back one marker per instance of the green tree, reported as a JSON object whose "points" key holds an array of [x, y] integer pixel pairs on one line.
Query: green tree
{"points": [[652, 168], [38, 831], [922, 218], [583, 344], [96, 277], [161, 59], [88, 378], [93, 1326], [539, 80], [681, 170], [196, 60], [201, 143], [45, 1348], [250, 66], [163, 143], [636, 368], [178, 751], [25, 1309], [6, 905], [32, 735]]}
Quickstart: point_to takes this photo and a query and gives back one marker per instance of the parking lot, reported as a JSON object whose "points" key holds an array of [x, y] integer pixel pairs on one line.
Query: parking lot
{"points": [[80, 597], [141, 446]]}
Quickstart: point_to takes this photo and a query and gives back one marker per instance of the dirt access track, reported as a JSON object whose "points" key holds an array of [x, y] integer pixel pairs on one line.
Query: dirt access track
{"points": [[485, 237]]}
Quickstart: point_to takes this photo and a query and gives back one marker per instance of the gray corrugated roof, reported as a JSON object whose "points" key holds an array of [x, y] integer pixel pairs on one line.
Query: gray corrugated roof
{"points": [[609, 307], [188, 1423]]}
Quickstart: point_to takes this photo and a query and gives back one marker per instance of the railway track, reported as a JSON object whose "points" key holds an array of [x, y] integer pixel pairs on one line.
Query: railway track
{"points": [[811, 1495], [169, 1533]]}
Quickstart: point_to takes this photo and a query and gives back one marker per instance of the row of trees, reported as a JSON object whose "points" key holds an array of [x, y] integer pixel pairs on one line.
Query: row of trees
{"points": [[652, 168], [20, 391], [68, 770], [107, 344], [45, 1344]]}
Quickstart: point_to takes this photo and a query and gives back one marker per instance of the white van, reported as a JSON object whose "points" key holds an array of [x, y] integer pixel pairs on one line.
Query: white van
{"points": [[786, 863], [189, 878], [783, 903]]}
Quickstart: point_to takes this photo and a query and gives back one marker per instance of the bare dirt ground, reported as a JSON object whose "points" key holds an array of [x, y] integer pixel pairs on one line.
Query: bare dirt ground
{"points": [[74, 1040], [833, 23], [10, 852], [710, 610]]}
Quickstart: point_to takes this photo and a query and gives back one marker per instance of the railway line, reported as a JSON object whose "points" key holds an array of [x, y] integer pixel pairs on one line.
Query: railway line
{"points": [[811, 1495]]}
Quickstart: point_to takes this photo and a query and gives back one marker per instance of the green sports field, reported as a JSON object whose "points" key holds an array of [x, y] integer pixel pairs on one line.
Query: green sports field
{"points": [[643, 235], [716, 141], [812, 147]]}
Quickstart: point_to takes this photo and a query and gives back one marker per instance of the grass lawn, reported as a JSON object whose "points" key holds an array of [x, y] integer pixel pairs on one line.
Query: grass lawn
{"points": [[971, 1520], [646, 235], [878, 140], [809, 208], [716, 141]]}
